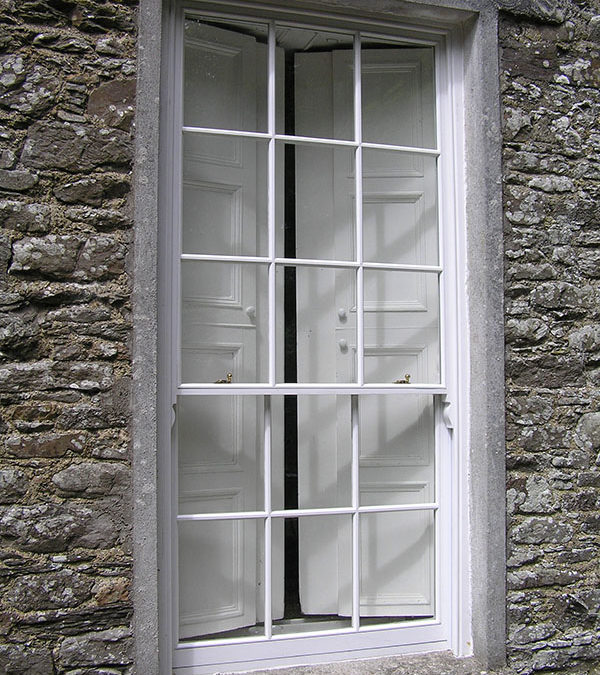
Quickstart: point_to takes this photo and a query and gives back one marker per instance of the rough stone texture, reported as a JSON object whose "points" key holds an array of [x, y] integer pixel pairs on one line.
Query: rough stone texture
{"points": [[550, 73], [67, 98], [67, 93]]}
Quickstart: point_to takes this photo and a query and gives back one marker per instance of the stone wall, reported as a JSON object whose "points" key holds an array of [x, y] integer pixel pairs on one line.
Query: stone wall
{"points": [[67, 74], [551, 100], [67, 86]]}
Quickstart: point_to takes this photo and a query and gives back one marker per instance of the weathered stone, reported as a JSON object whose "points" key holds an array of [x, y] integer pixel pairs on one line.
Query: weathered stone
{"points": [[559, 295], [81, 314], [19, 333], [13, 485], [92, 479], [64, 588], [525, 331], [541, 576], [587, 434], [545, 370], [35, 94], [48, 445], [25, 217], [110, 46], [47, 528], [7, 159], [42, 375], [25, 659], [539, 497], [93, 191], [101, 219], [55, 145], [101, 257], [12, 72], [589, 263], [107, 591], [552, 183], [16, 180], [553, 11], [538, 530], [53, 255], [113, 103], [111, 647], [586, 339]]}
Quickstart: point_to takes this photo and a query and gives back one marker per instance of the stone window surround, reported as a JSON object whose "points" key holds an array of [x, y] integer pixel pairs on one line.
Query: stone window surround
{"points": [[485, 312]]}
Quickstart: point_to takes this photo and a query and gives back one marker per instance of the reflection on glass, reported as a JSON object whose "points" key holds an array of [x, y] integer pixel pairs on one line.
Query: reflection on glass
{"points": [[224, 195], [397, 566], [319, 579], [402, 333], [322, 345], [225, 75], [400, 221], [220, 448], [323, 213], [224, 319], [396, 449], [319, 68], [398, 95], [222, 554]]}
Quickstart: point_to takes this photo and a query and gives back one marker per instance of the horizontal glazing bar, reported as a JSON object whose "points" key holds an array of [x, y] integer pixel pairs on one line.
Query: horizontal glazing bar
{"points": [[298, 513], [402, 148], [410, 623], [351, 264], [200, 389], [228, 515], [224, 258], [310, 262], [226, 132], [310, 140]]}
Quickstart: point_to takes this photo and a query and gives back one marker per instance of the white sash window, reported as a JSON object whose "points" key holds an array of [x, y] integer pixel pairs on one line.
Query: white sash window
{"points": [[315, 339]]}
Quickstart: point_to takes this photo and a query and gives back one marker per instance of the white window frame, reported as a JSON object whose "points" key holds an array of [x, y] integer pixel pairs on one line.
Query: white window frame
{"points": [[451, 627]]}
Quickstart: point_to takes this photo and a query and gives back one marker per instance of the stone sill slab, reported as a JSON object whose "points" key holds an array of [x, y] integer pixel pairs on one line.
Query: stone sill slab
{"points": [[442, 663]]}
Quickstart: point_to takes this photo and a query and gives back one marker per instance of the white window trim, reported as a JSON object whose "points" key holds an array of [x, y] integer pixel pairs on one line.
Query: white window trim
{"points": [[144, 426]]}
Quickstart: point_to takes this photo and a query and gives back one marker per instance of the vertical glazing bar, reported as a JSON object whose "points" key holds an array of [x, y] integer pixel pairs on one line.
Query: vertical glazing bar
{"points": [[268, 509], [355, 516], [271, 198], [358, 188], [443, 197]]}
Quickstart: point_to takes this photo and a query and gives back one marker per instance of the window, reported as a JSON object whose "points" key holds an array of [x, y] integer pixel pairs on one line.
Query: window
{"points": [[314, 350]]}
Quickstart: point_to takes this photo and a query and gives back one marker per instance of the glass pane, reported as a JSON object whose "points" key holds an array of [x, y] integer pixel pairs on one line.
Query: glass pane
{"points": [[397, 460], [225, 75], [224, 195], [318, 575], [319, 220], [400, 219], [398, 95], [316, 454], [220, 453], [224, 322], [320, 326], [319, 97], [397, 566], [218, 578], [402, 332]]}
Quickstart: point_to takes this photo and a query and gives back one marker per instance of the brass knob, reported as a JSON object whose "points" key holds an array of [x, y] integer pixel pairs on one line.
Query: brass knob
{"points": [[406, 380], [227, 381]]}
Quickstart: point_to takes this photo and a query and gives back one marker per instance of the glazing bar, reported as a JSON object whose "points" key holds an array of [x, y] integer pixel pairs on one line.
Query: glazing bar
{"points": [[355, 516], [268, 521], [271, 198], [360, 327]]}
